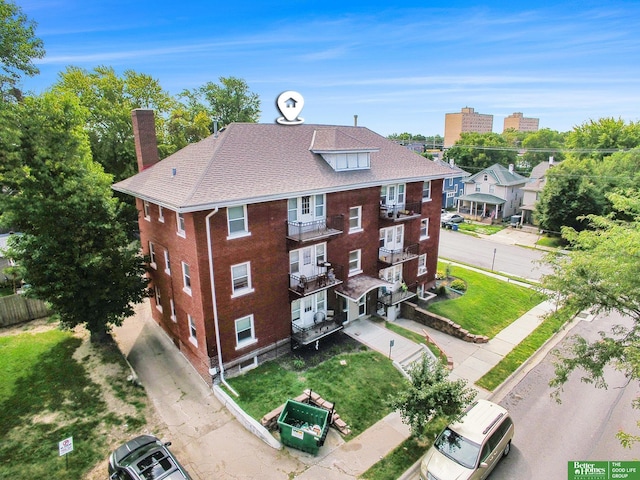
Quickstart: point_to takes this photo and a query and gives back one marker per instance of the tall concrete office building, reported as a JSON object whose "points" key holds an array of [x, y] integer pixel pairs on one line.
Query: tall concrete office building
{"points": [[520, 123], [465, 121]]}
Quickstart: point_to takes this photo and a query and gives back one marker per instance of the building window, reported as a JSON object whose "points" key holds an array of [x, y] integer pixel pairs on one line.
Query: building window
{"points": [[237, 221], [451, 182], [492, 188], [152, 256], [180, 225], [193, 333], [172, 305], [186, 278], [146, 208], [306, 205], [241, 279], [167, 263], [392, 195], [426, 191], [244, 331], [354, 262], [424, 229], [355, 219], [160, 214], [477, 187], [422, 264], [156, 291]]}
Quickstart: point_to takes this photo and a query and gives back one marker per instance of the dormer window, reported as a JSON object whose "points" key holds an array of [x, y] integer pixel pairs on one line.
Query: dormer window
{"points": [[342, 151], [348, 161]]}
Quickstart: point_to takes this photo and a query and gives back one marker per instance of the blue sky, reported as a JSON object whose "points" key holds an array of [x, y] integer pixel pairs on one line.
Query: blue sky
{"points": [[400, 69]]}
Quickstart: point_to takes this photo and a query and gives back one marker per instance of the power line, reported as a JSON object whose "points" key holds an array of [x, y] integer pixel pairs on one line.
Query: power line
{"points": [[545, 150]]}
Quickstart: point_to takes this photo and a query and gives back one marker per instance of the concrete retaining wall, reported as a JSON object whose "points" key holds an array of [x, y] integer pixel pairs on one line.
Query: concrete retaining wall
{"points": [[411, 311], [245, 420]]}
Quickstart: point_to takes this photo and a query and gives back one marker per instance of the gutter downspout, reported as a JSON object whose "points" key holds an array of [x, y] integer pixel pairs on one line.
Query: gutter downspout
{"points": [[215, 303]]}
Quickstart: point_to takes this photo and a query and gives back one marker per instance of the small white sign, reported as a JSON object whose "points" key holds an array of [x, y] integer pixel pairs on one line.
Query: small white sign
{"points": [[297, 433], [65, 446]]}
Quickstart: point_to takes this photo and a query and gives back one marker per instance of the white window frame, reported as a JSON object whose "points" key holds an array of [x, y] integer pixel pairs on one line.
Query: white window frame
{"points": [[167, 262], [152, 256], [393, 195], [160, 214], [186, 278], [422, 264], [174, 315], [355, 213], [237, 220], [251, 338], [357, 268], [158, 298], [180, 225], [146, 210], [424, 229], [238, 292], [426, 186], [193, 331]]}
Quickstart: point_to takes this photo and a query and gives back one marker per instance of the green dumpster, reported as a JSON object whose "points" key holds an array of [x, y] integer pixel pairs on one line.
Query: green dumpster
{"points": [[303, 426]]}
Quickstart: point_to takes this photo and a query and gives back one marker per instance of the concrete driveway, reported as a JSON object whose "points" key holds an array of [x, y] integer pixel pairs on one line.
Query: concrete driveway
{"points": [[206, 438]]}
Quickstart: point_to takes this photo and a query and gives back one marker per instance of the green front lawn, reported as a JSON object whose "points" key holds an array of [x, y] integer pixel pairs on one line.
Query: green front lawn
{"points": [[47, 395], [359, 388], [489, 304]]}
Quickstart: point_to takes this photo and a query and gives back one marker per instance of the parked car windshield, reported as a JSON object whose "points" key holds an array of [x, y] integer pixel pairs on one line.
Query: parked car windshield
{"points": [[457, 448]]}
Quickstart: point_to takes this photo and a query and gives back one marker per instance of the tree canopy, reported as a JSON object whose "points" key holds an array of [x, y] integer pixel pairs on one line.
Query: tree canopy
{"points": [[18, 48], [226, 102], [476, 151], [600, 275], [431, 394], [72, 249]]}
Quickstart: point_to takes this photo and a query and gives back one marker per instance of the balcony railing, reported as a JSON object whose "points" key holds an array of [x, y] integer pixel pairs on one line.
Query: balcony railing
{"points": [[400, 213], [309, 231], [393, 257], [328, 275], [326, 324], [398, 296]]}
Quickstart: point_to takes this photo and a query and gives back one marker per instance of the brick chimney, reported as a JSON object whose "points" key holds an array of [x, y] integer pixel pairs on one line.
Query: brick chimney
{"points": [[144, 133]]}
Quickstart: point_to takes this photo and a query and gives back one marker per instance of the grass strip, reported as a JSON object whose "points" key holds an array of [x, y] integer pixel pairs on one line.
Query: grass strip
{"points": [[524, 350]]}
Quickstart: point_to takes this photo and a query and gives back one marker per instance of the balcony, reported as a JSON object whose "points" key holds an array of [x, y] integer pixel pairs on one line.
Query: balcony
{"points": [[400, 295], [311, 231], [325, 323], [400, 213], [393, 257], [328, 275]]}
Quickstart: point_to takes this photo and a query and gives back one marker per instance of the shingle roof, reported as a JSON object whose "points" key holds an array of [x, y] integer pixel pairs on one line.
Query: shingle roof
{"points": [[251, 162], [501, 174]]}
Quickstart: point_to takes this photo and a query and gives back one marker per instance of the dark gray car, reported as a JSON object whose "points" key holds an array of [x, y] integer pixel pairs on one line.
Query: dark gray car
{"points": [[145, 458]]}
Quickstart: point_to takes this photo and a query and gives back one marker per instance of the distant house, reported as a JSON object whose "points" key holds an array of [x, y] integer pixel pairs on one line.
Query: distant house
{"points": [[4, 261], [453, 187], [531, 191], [493, 193]]}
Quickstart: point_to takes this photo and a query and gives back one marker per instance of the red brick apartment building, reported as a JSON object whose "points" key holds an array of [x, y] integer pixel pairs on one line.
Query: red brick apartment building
{"points": [[266, 237]]}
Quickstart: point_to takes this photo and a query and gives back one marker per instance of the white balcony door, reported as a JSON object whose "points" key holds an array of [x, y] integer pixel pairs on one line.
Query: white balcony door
{"points": [[307, 208], [392, 238]]}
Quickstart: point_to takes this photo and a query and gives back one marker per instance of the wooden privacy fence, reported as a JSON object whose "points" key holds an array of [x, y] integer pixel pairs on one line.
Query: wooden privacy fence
{"points": [[17, 309]]}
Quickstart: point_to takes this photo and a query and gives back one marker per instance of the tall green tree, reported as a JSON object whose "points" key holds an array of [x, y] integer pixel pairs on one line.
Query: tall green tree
{"points": [[109, 99], [431, 394], [598, 138], [73, 251], [569, 194], [19, 46], [476, 151], [229, 101], [541, 145], [600, 274]]}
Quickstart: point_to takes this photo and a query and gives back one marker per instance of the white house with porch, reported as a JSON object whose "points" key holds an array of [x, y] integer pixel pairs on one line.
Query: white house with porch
{"points": [[493, 193]]}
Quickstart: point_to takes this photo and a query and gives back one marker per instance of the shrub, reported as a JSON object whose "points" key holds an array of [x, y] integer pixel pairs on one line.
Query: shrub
{"points": [[459, 285]]}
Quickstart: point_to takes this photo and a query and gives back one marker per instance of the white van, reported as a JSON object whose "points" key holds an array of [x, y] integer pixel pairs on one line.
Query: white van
{"points": [[470, 448]]}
